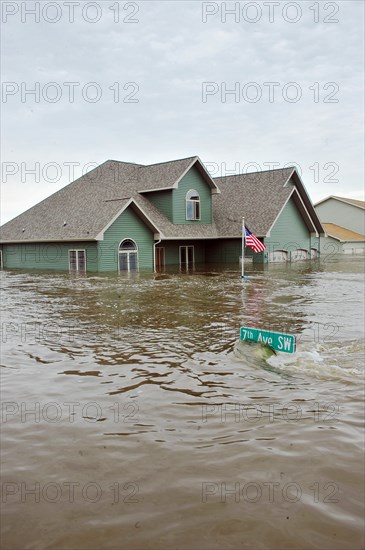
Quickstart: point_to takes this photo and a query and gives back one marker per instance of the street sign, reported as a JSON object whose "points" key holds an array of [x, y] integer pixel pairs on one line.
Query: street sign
{"points": [[276, 340]]}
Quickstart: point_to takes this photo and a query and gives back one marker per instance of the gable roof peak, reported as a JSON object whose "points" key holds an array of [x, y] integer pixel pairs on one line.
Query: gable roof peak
{"points": [[355, 202], [122, 162], [171, 161], [348, 200], [167, 175]]}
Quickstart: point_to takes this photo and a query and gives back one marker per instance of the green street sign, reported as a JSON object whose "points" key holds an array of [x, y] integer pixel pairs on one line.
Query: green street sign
{"points": [[276, 340]]}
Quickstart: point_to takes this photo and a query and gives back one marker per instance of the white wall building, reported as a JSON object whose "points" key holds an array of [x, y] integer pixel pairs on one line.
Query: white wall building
{"points": [[344, 222]]}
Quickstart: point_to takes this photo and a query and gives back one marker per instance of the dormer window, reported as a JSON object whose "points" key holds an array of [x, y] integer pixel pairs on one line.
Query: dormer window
{"points": [[192, 205]]}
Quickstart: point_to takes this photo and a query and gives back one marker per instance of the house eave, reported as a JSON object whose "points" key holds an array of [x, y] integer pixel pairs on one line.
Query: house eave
{"points": [[205, 238], [202, 170], [203, 173], [340, 199], [131, 202], [345, 240], [188, 238], [64, 240], [169, 188]]}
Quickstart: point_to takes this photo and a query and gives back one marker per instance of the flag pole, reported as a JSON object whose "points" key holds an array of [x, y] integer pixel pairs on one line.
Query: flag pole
{"points": [[243, 249]]}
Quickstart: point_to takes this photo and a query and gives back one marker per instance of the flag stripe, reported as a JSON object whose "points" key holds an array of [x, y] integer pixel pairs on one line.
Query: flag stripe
{"points": [[253, 242]]}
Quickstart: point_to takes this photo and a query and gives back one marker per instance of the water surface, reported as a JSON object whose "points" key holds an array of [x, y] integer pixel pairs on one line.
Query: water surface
{"points": [[133, 417]]}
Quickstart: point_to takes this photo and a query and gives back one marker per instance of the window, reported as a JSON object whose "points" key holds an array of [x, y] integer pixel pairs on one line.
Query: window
{"points": [[186, 258], [278, 256], [77, 261], [299, 254], [128, 256], [192, 205]]}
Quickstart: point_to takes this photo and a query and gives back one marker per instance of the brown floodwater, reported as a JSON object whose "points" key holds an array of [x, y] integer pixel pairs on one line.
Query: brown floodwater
{"points": [[134, 418]]}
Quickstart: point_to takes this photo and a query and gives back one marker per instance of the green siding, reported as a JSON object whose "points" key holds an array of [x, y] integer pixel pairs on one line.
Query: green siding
{"points": [[163, 201], [315, 242], [330, 247], [260, 257], [172, 251], [127, 226], [47, 256], [289, 232], [224, 251], [192, 180], [100, 256]]}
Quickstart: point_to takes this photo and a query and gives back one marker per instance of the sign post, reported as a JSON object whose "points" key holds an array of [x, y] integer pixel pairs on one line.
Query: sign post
{"points": [[275, 340]]}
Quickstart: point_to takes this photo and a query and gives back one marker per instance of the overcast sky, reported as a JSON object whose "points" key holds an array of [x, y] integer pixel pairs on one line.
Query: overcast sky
{"points": [[149, 82]]}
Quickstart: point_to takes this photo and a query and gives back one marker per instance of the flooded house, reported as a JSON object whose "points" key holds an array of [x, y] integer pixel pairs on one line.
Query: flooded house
{"points": [[127, 217], [344, 222]]}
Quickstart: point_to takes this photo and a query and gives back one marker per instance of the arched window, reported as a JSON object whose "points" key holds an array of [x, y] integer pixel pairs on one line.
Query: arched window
{"points": [[192, 205], [128, 256]]}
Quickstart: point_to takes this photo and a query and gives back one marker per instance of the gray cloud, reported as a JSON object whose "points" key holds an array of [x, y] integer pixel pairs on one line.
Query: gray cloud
{"points": [[169, 54]]}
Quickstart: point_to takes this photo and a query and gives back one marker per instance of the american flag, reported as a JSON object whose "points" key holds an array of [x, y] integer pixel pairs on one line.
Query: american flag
{"points": [[253, 242]]}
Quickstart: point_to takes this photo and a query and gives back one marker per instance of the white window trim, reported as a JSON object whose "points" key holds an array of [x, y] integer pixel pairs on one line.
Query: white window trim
{"points": [[292, 252], [287, 259], [77, 260], [1, 259], [187, 246], [194, 202], [136, 251]]}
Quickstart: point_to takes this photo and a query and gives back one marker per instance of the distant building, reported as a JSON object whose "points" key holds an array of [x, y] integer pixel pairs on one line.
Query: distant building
{"points": [[344, 222], [126, 217]]}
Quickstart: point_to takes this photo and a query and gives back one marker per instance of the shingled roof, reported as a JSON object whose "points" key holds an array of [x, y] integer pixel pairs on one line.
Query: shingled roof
{"points": [[78, 211], [86, 207], [260, 197]]}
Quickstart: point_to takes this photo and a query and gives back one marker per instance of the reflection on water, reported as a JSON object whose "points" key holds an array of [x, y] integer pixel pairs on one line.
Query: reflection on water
{"points": [[133, 417]]}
